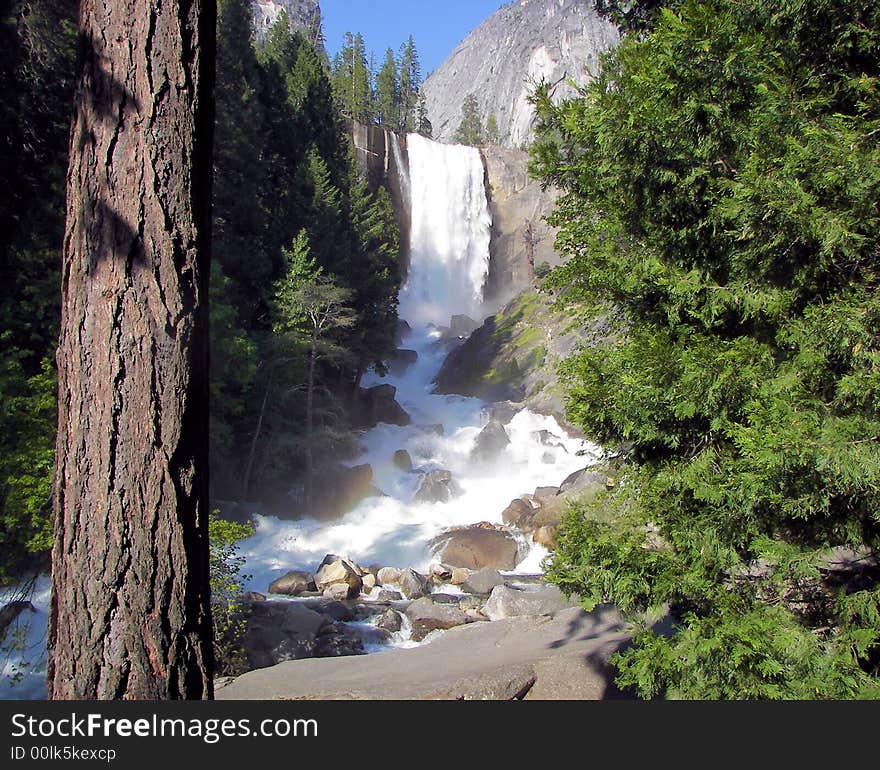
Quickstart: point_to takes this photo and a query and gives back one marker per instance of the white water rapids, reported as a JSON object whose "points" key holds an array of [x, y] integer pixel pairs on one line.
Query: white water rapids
{"points": [[449, 265]]}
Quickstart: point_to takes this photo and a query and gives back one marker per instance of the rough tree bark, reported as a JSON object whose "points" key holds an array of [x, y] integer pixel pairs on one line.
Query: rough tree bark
{"points": [[130, 614]]}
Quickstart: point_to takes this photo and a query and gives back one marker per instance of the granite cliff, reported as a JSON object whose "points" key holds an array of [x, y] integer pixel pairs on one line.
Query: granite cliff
{"points": [[522, 43]]}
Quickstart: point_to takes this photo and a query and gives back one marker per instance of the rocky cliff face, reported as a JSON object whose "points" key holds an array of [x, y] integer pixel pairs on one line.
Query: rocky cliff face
{"points": [[518, 206], [303, 14], [524, 42]]}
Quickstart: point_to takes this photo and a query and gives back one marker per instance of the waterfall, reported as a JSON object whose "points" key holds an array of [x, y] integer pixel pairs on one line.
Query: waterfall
{"points": [[449, 241]]}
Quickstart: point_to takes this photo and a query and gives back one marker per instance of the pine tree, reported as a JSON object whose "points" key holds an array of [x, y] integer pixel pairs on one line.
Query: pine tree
{"points": [[721, 179], [470, 130], [388, 92], [493, 135], [410, 85]]}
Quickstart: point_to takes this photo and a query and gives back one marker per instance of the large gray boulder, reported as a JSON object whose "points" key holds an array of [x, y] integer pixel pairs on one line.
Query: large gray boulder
{"points": [[437, 487], [476, 548], [483, 581], [378, 404], [293, 583], [426, 616], [518, 513], [506, 602], [403, 460], [491, 441]]}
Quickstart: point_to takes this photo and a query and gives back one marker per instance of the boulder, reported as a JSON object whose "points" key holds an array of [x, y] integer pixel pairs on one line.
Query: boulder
{"points": [[491, 441], [336, 592], [476, 548], [293, 584], [503, 411], [389, 621], [340, 572], [402, 360], [379, 405], [545, 493], [462, 326], [339, 488], [338, 642], [402, 460], [459, 576], [388, 596], [545, 536], [403, 329], [426, 616], [483, 581], [387, 575], [581, 480], [518, 514], [467, 603], [505, 602], [412, 585], [276, 631], [336, 610], [546, 438], [437, 487], [439, 573], [369, 582], [252, 596]]}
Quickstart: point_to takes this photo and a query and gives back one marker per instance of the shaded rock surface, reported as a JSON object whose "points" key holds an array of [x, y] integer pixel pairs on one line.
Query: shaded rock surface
{"points": [[293, 584], [490, 442], [563, 656], [437, 487]]}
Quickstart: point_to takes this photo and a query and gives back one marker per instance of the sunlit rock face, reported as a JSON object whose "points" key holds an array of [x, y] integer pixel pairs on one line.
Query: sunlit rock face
{"points": [[303, 14], [520, 44]]}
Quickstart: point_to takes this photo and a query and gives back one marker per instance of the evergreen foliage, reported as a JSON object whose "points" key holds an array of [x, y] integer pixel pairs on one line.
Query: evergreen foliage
{"points": [[470, 130], [721, 180]]}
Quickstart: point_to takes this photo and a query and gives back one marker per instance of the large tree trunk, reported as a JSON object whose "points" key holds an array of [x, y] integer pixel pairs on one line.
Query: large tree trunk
{"points": [[130, 614]]}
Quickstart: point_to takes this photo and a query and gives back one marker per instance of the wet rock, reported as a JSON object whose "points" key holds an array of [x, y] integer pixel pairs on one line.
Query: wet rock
{"points": [[369, 582], [437, 487], [339, 488], [279, 631], [506, 602], [491, 441], [503, 411], [462, 325], [402, 360], [547, 438], [388, 596], [483, 581], [378, 404], [293, 584], [545, 536], [518, 514], [402, 460], [476, 548], [389, 621], [336, 610], [403, 329], [252, 596], [426, 616], [337, 641]]}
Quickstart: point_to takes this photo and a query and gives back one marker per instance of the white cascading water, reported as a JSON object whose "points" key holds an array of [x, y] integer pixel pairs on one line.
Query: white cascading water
{"points": [[450, 261], [449, 241]]}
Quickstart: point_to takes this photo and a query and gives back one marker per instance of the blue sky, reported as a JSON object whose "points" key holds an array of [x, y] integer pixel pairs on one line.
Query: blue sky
{"points": [[437, 26]]}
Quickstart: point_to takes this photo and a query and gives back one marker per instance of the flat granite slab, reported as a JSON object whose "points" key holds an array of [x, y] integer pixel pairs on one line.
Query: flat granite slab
{"points": [[563, 656]]}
